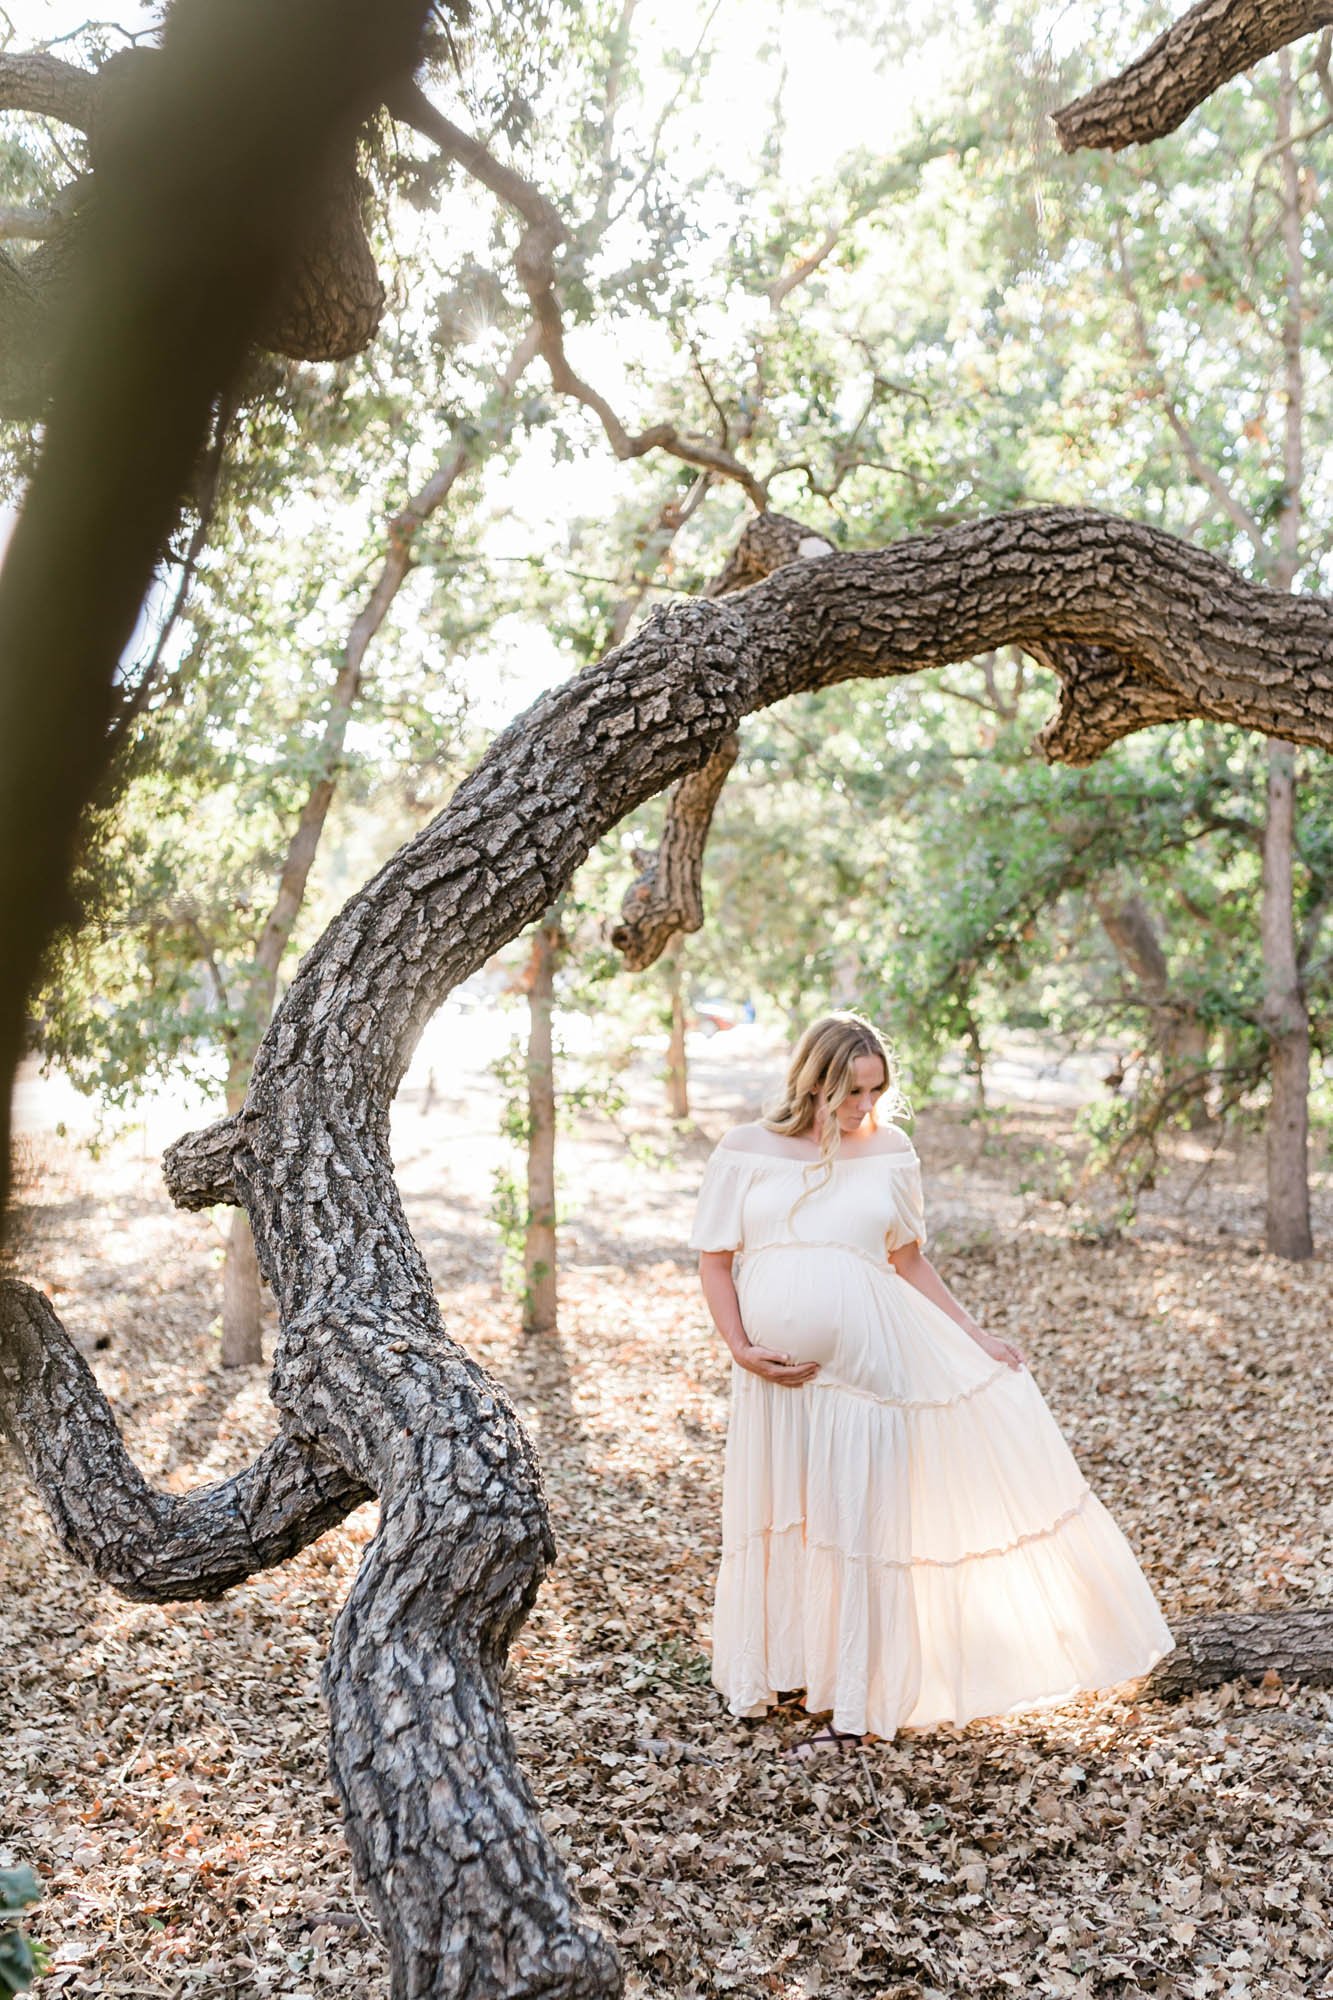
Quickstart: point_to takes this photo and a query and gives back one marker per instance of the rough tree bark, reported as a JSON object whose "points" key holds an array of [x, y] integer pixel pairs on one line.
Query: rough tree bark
{"points": [[666, 897], [441, 1822], [1213, 42], [1294, 1645]]}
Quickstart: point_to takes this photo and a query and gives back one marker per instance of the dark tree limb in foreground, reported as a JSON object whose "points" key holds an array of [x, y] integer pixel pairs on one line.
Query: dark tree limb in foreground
{"points": [[204, 201], [330, 302], [1205, 48], [440, 1820]]}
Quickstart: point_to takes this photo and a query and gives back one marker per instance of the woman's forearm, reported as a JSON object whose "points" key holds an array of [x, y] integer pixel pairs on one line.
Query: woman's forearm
{"points": [[719, 1290], [914, 1265]]}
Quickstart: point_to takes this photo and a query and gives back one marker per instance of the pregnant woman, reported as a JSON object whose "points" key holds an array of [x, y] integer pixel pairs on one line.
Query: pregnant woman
{"points": [[906, 1536]]}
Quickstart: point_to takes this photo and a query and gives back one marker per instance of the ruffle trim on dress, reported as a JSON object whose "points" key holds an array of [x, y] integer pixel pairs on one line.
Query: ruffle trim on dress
{"points": [[908, 1402], [915, 1562], [879, 1264]]}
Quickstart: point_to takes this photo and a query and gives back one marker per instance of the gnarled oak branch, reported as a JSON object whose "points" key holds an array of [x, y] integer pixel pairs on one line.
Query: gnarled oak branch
{"points": [[668, 896], [160, 1547], [1195, 56]]}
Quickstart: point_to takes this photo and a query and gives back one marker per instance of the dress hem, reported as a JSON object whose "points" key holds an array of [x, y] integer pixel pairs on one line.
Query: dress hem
{"points": [[846, 1718]]}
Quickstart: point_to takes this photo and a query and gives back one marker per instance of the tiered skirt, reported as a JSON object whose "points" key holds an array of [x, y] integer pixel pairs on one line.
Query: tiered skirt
{"points": [[907, 1537]]}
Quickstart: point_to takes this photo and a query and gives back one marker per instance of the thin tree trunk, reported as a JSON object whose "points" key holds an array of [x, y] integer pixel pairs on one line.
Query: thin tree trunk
{"points": [[1181, 1037], [978, 1055], [539, 1245], [241, 1291], [1287, 1224], [1286, 1017], [242, 1297], [677, 1069], [242, 1286]]}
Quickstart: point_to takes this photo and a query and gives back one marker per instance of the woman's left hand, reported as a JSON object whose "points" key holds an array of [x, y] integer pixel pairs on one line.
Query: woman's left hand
{"points": [[1001, 1350]]}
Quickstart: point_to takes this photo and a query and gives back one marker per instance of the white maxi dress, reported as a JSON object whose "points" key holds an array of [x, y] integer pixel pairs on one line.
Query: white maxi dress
{"points": [[906, 1536]]}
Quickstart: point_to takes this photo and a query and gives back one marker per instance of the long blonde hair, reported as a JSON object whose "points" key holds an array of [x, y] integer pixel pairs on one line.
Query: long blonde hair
{"points": [[822, 1060]]}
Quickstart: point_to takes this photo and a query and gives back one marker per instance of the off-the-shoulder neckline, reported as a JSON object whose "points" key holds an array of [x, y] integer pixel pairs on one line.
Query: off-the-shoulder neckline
{"points": [[796, 1160]]}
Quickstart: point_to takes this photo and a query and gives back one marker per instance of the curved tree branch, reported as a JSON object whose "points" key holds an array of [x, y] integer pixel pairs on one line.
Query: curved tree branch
{"points": [[534, 263], [667, 897], [1204, 49], [1140, 628], [158, 1547]]}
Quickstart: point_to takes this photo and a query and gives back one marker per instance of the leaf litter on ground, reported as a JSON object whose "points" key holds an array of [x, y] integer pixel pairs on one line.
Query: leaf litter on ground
{"points": [[164, 1769]]}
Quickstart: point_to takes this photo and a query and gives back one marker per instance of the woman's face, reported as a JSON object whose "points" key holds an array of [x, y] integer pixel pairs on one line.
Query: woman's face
{"points": [[868, 1083]]}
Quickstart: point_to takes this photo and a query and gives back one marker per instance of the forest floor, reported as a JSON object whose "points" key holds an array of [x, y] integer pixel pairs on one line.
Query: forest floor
{"points": [[164, 1770]]}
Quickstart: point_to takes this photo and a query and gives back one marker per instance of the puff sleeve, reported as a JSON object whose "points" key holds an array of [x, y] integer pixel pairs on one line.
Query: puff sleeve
{"points": [[717, 1214], [909, 1205]]}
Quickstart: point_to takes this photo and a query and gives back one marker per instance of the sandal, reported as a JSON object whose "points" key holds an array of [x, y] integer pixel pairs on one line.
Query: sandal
{"points": [[810, 1745]]}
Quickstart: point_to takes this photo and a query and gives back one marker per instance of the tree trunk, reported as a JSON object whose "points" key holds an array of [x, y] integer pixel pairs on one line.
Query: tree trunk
{"points": [[373, 1393], [1285, 1014], [977, 1055], [677, 1064], [1287, 1222], [539, 1242], [1181, 1037], [242, 1297], [242, 1285]]}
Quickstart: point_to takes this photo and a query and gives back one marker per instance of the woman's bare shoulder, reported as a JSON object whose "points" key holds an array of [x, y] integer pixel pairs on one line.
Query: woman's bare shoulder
{"points": [[750, 1139], [891, 1139]]}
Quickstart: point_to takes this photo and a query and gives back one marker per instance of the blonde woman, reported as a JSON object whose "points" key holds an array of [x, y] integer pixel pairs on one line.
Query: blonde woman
{"points": [[907, 1539]]}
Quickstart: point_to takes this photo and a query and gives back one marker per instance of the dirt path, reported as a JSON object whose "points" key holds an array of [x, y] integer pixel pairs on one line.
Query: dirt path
{"points": [[164, 1770]]}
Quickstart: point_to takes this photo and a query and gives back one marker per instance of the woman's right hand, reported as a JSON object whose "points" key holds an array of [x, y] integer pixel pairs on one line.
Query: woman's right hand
{"points": [[774, 1367]]}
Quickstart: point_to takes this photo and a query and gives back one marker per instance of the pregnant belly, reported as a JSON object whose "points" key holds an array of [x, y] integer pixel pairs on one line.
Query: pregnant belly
{"points": [[795, 1301]]}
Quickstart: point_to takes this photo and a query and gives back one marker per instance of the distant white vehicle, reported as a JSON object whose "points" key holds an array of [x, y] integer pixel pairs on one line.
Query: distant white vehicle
{"points": [[712, 1016]]}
